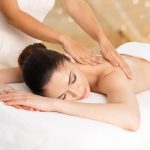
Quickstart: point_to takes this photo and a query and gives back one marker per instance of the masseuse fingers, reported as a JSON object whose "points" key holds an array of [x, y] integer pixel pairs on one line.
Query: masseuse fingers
{"points": [[116, 60], [126, 70], [81, 61], [97, 59], [69, 56], [92, 58], [89, 59], [125, 67]]}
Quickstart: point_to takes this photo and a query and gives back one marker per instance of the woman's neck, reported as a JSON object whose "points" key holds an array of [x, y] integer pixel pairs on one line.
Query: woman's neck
{"points": [[95, 73], [92, 73]]}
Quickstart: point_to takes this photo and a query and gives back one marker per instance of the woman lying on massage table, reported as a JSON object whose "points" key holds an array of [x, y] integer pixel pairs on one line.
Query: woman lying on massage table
{"points": [[58, 82]]}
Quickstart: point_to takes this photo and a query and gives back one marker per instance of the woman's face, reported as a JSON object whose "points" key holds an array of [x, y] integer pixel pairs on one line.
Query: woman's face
{"points": [[68, 83]]}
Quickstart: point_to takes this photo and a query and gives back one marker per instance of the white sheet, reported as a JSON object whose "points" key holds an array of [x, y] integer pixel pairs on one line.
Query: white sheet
{"points": [[26, 130]]}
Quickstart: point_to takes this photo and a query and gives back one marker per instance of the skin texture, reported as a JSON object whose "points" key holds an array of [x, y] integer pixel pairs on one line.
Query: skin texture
{"points": [[87, 20], [121, 108]]}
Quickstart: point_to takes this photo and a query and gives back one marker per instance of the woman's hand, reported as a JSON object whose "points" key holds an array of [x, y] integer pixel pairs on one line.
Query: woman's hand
{"points": [[80, 53], [110, 54], [4, 88], [27, 100]]}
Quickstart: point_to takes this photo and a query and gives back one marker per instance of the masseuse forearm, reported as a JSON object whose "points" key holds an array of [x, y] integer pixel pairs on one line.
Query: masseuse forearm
{"points": [[33, 27], [118, 114], [84, 16]]}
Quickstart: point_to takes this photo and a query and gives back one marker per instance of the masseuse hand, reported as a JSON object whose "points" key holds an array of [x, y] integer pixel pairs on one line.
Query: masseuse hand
{"points": [[27, 100], [110, 54], [79, 53]]}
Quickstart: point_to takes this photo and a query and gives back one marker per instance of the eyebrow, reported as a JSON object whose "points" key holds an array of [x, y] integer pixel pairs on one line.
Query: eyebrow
{"points": [[68, 84]]}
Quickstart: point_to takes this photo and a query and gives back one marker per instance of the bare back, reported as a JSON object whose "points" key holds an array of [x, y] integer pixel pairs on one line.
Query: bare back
{"points": [[140, 71]]}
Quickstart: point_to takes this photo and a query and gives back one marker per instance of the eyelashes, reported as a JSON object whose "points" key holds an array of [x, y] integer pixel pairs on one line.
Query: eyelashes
{"points": [[75, 77], [73, 81], [64, 96]]}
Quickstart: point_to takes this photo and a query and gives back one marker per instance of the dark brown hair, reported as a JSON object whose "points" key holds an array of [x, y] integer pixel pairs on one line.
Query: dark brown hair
{"points": [[38, 65]]}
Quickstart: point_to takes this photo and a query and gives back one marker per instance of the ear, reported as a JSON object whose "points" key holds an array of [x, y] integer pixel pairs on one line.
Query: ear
{"points": [[69, 56]]}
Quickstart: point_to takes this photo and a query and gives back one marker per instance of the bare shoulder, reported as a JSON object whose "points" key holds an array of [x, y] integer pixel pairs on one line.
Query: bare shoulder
{"points": [[116, 86], [112, 80]]}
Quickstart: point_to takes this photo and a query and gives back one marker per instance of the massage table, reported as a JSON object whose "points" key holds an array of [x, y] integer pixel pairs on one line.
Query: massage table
{"points": [[29, 130]]}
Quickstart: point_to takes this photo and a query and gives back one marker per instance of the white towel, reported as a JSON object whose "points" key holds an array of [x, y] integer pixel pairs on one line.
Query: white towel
{"points": [[27, 130]]}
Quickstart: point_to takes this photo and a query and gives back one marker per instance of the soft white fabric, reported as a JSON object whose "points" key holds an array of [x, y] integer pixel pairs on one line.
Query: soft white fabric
{"points": [[141, 50], [26, 130], [13, 41]]}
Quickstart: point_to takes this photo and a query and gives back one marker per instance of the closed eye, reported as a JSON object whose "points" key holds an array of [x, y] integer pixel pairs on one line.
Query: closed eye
{"points": [[74, 78], [64, 96], [73, 81]]}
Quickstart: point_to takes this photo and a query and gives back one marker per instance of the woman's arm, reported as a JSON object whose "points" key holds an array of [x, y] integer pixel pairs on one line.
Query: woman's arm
{"points": [[11, 75], [121, 110], [28, 24], [84, 16], [31, 26]]}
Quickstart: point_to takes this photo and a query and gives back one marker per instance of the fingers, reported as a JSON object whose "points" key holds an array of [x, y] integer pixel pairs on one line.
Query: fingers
{"points": [[27, 108], [93, 59], [9, 97], [6, 90], [69, 56], [17, 107], [21, 107], [125, 69], [117, 60], [18, 99], [13, 102], [89, 58]]}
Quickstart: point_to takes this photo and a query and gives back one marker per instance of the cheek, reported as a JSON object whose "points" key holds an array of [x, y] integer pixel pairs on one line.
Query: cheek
{"points": [[82, 79]]}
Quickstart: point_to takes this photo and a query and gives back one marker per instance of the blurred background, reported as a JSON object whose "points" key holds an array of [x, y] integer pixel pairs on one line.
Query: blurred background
{"points": [[121, 21]]}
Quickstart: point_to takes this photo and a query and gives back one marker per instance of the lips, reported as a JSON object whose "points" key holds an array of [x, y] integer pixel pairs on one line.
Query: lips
{"points": [[84, 94]]}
